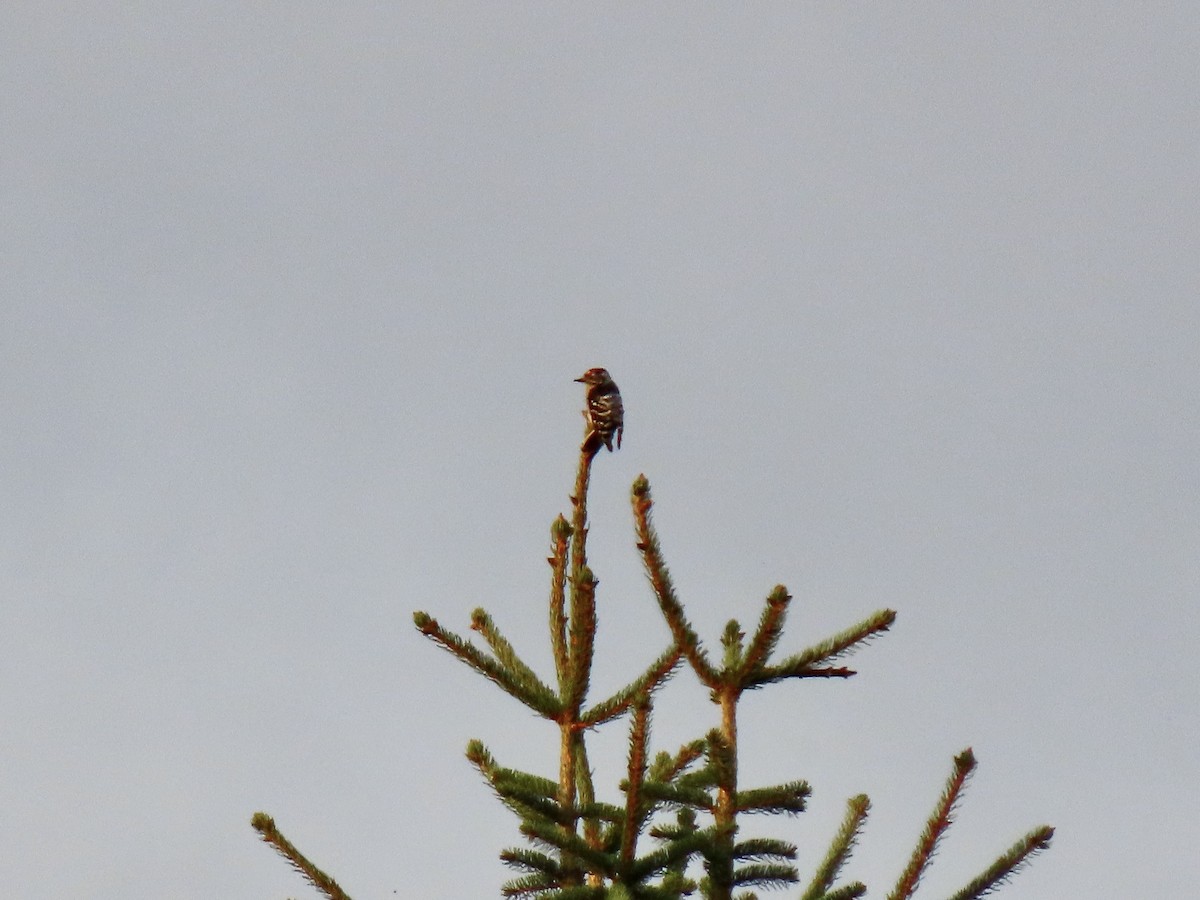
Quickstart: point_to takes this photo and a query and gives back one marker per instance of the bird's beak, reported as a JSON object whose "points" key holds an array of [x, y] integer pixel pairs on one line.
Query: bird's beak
{"points": [[580, 380]]}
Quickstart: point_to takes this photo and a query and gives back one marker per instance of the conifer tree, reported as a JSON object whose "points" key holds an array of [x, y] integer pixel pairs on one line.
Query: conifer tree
{"points": [[675, 830]]}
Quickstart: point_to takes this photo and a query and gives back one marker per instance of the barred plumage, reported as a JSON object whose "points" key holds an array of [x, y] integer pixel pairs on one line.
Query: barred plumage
{"points": [[605, 415]]}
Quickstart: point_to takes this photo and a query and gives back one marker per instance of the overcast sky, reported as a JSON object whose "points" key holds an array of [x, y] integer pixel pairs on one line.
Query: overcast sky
{"points": [[903, 302]]}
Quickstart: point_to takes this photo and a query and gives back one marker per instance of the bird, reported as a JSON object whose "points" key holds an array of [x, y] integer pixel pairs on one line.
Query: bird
{"points": [[605, 414]]}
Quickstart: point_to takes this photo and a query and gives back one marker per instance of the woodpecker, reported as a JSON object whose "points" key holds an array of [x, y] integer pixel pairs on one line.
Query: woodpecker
{"points": [[605, 415]]}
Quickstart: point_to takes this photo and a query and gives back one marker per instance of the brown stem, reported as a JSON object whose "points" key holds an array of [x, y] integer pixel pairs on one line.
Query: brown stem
{"points": [[579, 661], [725, 814], [579, 516], [566, 790]]}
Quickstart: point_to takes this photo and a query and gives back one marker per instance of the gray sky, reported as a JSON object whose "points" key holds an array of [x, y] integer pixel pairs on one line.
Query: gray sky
{"points": [[903, 304]]}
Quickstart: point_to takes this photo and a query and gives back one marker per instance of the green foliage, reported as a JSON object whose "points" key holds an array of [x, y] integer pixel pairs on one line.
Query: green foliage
{"points": [[681, 812]]}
